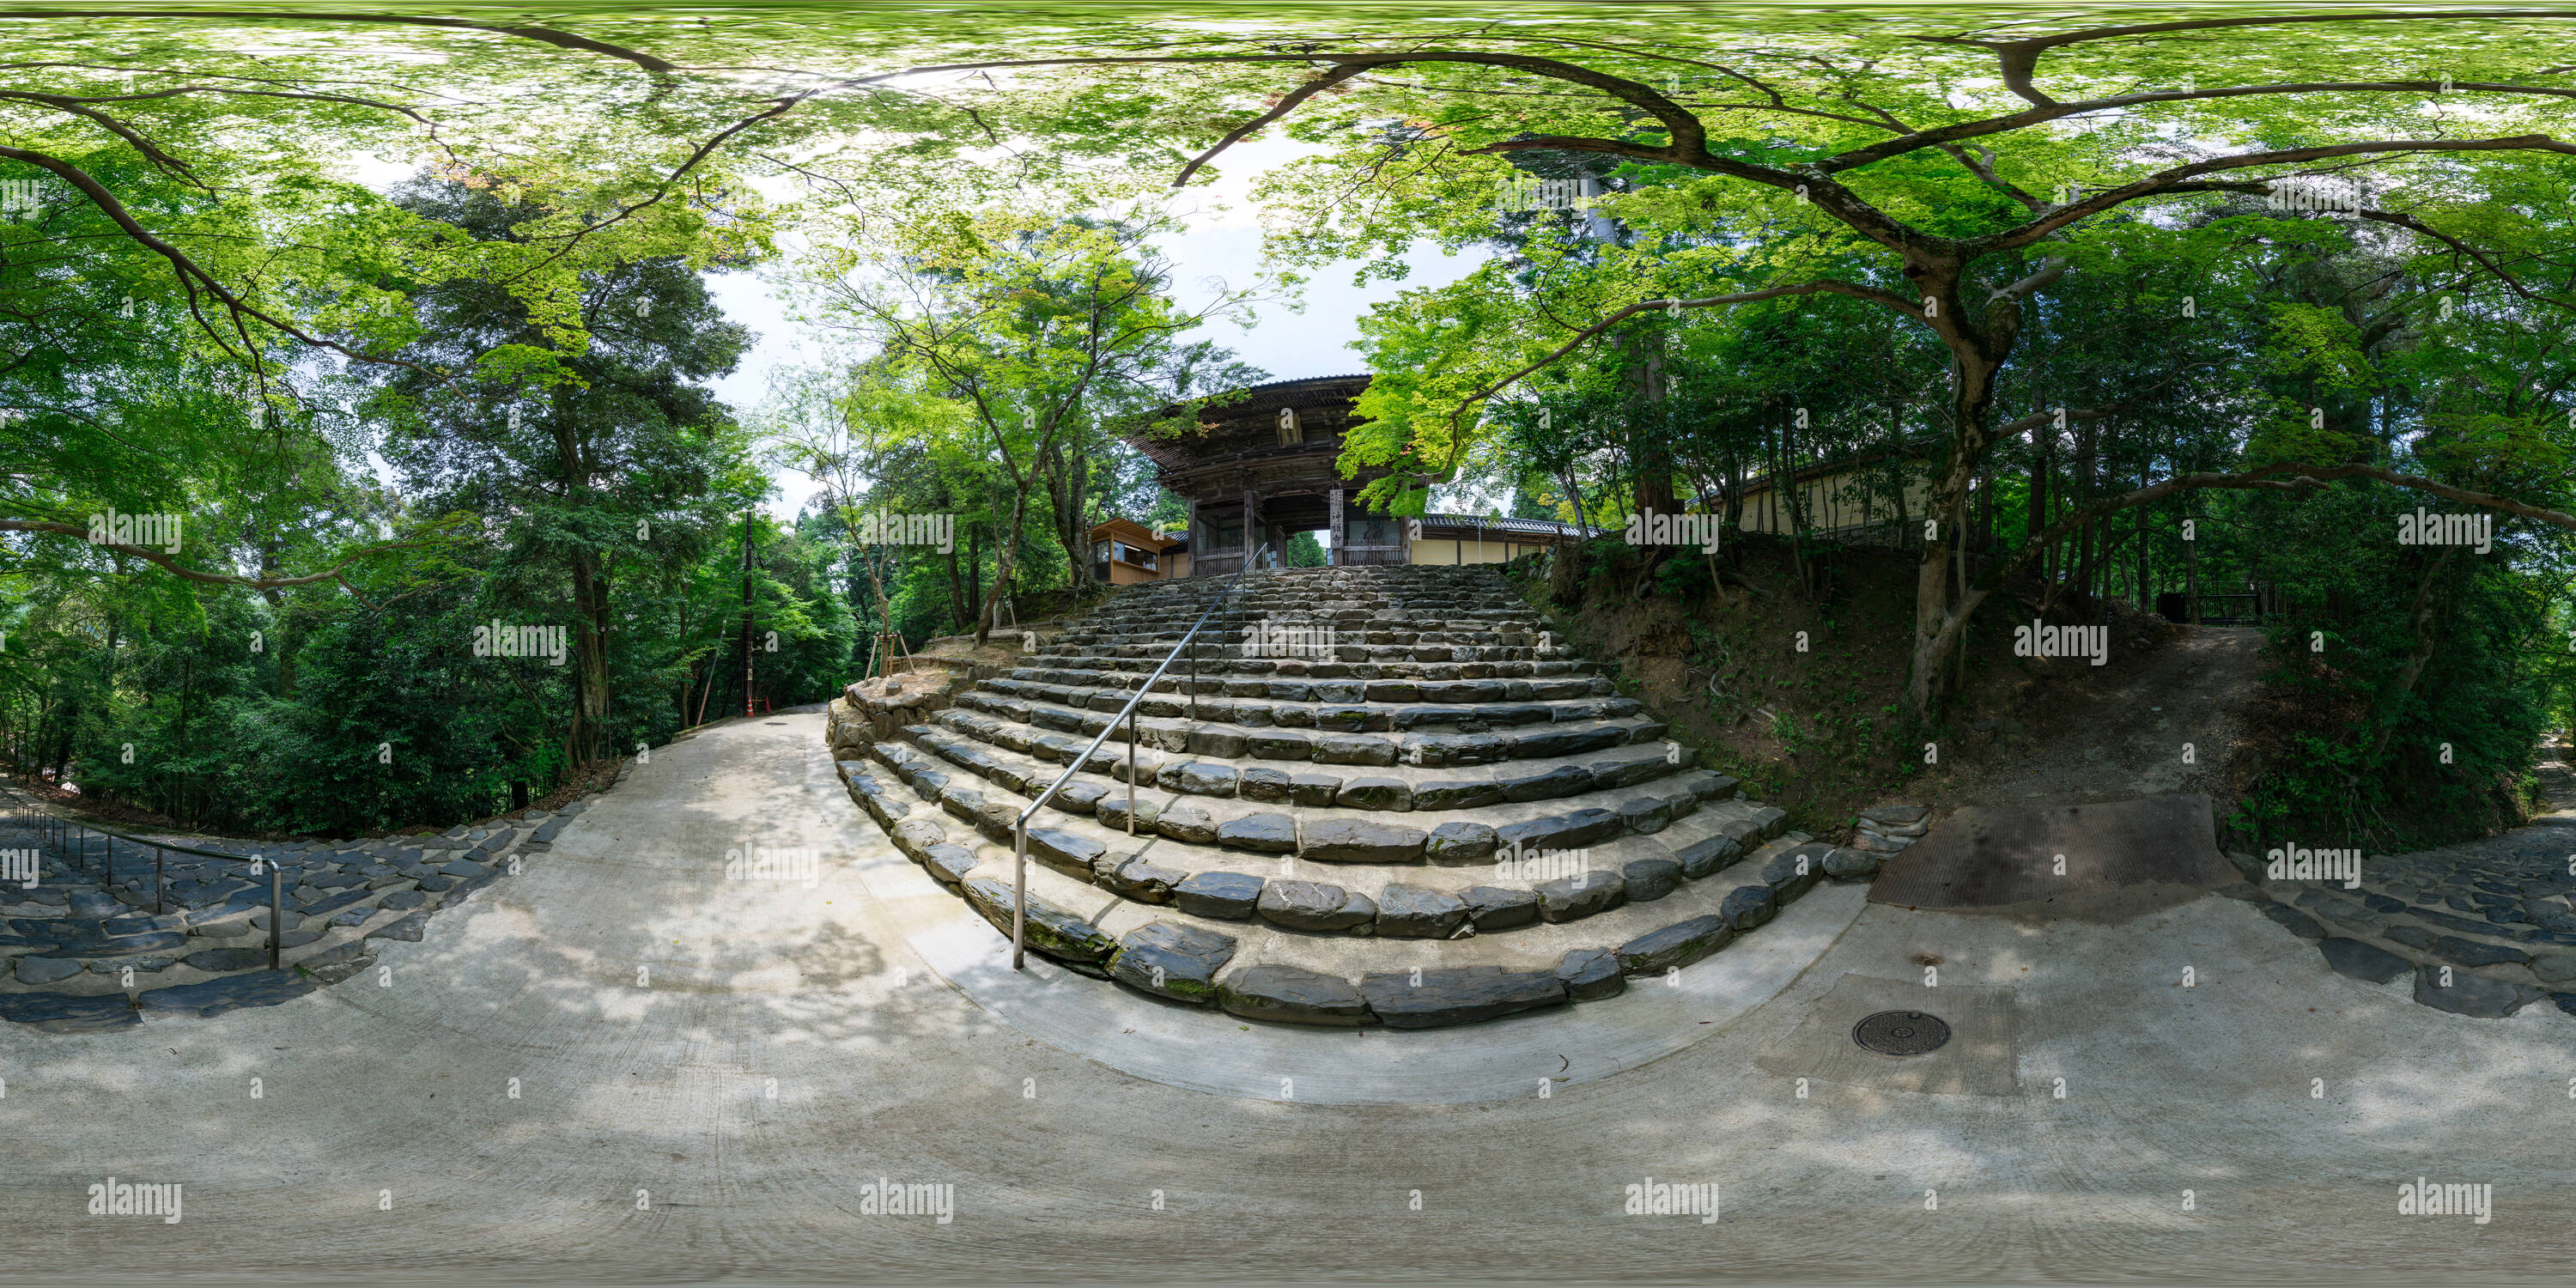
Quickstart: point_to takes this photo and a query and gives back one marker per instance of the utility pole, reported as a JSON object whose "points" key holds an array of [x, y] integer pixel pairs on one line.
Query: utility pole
{"points": [[746, 612]]}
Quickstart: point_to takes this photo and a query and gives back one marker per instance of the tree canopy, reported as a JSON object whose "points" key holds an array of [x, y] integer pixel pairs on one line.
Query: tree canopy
{"points": [[405, 315]]}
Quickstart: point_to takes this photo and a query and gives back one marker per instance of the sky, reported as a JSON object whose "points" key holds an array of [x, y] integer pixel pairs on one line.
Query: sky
{"points": [[1222, 244]]}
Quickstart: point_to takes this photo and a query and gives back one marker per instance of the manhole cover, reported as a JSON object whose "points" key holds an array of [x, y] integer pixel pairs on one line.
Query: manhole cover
{"points": [[1901, 1032]]}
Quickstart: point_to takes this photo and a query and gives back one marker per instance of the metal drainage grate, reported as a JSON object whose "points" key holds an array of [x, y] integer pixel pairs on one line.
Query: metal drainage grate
{"points": [[1902, 1032]]}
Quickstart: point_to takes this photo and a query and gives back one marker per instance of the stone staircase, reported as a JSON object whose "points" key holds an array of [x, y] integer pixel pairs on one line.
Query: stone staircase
{"points": [[84, 950], [1400, 801]]}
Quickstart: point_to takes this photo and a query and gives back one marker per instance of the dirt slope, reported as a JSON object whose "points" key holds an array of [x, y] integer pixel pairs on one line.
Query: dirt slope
{"points": [[2117, 734], [1821, 732]]}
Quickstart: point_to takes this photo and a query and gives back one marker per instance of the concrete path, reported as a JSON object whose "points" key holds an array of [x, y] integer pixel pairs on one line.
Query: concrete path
{"points": [[789, 1049]]}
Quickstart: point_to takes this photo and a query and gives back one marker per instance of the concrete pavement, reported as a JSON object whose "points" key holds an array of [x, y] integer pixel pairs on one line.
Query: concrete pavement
{"points": [[786, 1049]]}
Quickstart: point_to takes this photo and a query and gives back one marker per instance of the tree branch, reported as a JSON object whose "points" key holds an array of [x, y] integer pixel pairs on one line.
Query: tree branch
{"points": [[1288, 102], [2019, 59], [1827, 286], [2412, 224], [541, 35], [334, 573], [190, 274], [1953, 133], [2173, 179]]}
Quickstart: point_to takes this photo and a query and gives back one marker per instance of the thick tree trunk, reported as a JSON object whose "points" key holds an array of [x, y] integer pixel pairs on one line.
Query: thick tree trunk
{"points": [[1938, 624], [2146, 594], [2420, 625], [1649, 450], [590, 676], [1005, 549], [277, 613], [63, 740], [1063, 470], [957, 599], [746, 613], [1565, 573], [2088, 537], [1654, 491]]}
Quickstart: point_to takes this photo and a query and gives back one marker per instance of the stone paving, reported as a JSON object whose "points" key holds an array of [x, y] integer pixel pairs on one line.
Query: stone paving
{"points": [[1395, 800], [2487, 927], [85, 950]]}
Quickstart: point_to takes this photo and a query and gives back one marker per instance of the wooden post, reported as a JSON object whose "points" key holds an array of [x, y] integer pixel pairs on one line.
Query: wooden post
{"points": [[1333, 556]]}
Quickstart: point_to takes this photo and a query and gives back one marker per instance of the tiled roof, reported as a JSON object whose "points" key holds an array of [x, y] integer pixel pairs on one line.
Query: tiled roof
{"points": [[1549, 526]]}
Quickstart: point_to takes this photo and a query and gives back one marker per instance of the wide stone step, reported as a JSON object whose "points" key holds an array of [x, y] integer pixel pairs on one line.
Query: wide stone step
{"points": [[1196, 834], [1225, 788], [1143, 659], [1262, 971], [1238, 630], [1346, 771], [1437, 737], [1451, 706], [1555, 867], [1061, 684]]}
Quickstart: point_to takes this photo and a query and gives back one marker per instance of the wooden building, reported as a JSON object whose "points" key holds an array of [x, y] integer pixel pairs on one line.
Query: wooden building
{"points": [[1256, 468], [1124, 553]]}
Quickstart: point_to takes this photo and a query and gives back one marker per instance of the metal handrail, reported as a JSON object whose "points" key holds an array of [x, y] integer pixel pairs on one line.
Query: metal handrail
{"points": [[68, 821], [1020, 851], [65, 826]]}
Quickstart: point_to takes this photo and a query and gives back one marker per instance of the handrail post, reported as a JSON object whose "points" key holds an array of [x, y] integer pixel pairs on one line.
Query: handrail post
{"points": [[1020, 898], [276, 911], [1020, 873], [159, 905]]}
